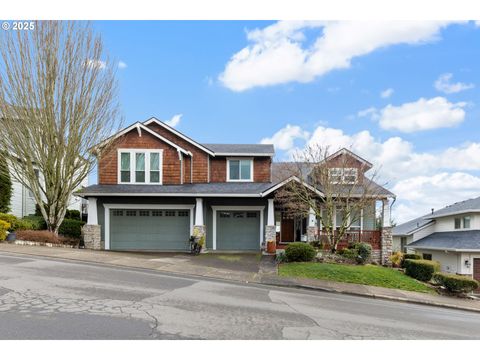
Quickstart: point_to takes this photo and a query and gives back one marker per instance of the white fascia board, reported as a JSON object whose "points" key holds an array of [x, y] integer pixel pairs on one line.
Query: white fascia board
{"points": [[179, 134], [291, 178], [169, 195], [442, 249]]}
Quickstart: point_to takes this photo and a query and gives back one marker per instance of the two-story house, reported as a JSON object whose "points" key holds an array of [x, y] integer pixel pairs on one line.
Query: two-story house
{"points": [[450, 235], [157, 186]]}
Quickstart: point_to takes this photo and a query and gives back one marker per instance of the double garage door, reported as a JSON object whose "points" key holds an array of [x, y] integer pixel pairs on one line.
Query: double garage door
{"points": [[169, 230]]}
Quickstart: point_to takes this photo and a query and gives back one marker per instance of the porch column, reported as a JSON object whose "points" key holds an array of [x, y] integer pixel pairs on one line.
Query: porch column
{"points": [[270, 229], [312, 226], [199, 230], [387, 239], [91, 231]]}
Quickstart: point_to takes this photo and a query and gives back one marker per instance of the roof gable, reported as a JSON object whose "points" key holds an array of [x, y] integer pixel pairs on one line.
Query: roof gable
{"points": [[345, 152]]}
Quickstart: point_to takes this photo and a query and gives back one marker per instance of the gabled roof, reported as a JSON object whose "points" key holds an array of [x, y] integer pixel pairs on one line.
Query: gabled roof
{"points": [[345, 151], [411, 226], [456, 241], [140, 127], [461, 207], [179, 134], [242, 149], [286, 181]]}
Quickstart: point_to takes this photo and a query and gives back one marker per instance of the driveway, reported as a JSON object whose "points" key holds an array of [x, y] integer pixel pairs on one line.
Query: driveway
{"points": [[45, 298]]}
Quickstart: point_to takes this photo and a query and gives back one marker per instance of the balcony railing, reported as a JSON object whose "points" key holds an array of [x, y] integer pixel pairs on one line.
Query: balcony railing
{"points": [[372, 237]]}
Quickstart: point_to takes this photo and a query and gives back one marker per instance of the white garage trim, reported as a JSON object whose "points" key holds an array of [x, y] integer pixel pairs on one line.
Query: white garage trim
{"points": [[235, 208], [141, 207]]}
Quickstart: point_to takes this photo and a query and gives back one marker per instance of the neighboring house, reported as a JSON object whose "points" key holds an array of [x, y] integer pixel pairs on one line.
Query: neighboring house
{"points": [[156, 187], [410, 231], [451, 236]]}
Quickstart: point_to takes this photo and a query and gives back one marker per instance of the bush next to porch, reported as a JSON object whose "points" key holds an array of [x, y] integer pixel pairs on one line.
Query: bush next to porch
{"points": [[300, 252], [359, 252], [409, 257], [422, 270], [71, 228], [455, 283]]}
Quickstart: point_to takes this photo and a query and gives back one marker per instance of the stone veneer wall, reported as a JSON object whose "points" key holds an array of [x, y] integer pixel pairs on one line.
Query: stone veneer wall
{"points": [[92, 237], [387, 245], [312, 232]]}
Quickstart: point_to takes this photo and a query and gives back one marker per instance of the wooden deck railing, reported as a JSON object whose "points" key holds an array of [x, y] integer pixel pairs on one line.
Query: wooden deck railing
{"points": [[372, 237]]}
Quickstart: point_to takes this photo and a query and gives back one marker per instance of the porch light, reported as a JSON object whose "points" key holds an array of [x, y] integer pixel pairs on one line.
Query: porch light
{"points": [[467, 263]]}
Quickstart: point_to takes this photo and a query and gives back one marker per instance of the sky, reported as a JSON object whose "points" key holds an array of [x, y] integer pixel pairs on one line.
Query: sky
{"points": [[403, 95]]}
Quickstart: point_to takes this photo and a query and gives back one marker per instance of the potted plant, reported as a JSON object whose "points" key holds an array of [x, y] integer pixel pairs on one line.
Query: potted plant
{"points": [[271, 247]]}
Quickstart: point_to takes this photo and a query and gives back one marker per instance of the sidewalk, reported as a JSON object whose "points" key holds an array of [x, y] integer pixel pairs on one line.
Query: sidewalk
{"points": [[260, 271]]}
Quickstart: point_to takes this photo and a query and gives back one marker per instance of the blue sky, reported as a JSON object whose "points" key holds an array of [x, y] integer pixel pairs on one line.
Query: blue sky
{"points": [[298, 83]]}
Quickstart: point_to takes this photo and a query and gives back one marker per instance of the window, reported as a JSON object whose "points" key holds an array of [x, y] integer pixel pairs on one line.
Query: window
{"points": [[458, 223], [144, 213], [343, 175], [117, 212], [131, 213], [169, 213], [140, 167], [183, 213], [224, 214], [427, 256], [125, 167], [403, 244], [338, 218], [155, 167], [466, 222], [355, 218], [251, 214], [157, 212], [240, 170], [238, 215]]}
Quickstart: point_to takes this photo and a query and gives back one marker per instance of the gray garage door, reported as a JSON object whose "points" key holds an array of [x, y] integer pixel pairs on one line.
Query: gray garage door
{"points": [[139, 229], [238, 230]]}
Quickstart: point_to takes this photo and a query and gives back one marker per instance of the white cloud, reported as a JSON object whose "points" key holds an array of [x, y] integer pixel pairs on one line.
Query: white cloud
{"points": [[385, 94], [277, 54], [421, 180], [477, 23], [122, 65], [420, 115], [96, 64], [444, 84], [284, 138], [174, 121]]}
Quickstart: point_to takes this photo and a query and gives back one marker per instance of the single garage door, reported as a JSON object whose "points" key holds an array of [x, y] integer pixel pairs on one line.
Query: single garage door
{"points": [[141, 229], [238, 230]]}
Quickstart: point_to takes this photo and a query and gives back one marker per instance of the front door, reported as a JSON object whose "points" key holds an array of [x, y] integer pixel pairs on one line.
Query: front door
{"points": [[287, 231]]}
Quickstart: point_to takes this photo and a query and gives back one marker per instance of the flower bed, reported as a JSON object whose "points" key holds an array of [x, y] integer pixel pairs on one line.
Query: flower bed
{"points": [[44, 238]]}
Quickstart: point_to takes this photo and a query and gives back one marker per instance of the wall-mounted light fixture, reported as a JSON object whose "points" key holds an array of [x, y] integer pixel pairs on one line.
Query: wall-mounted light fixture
{"points": [[467, 263]]}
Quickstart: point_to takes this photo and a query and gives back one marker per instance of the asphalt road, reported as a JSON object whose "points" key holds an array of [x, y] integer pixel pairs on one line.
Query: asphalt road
{"points": [[43, 298]]}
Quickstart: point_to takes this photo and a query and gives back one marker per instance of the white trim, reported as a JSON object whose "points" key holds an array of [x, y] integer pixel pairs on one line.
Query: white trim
{"points": [[345, 151], [199, 212], [92, 218], [239, 167], [271, 213], [179, 134], [235, 208], [442, 249], [132, 153], [245, 154], [108, 207], [286, 181], [139, 126], [158, 194]]}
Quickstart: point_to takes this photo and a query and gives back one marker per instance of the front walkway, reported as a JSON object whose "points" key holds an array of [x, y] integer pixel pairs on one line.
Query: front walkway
{"points": [[236, 267]]}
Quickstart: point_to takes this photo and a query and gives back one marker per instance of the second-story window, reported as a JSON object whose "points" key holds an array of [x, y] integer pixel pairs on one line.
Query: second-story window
{"points": [[466, 222], [240, 170], [140, 166], [343, 175]]}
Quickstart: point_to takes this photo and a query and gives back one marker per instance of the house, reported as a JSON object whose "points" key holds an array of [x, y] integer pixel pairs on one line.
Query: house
{"points": [[450, 235], [157, 186], [411, 231]]}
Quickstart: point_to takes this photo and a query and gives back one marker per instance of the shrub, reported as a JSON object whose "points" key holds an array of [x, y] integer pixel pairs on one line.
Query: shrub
{"points": [[363, 252], [36, 222], [72, 214], [4, 226], [45, 236], [456, 283], [422, 270], [397, 258], [300, 252], [317, 244], [71, 228], [11, 219], [409, 257], [5, 185], [347, 253]]}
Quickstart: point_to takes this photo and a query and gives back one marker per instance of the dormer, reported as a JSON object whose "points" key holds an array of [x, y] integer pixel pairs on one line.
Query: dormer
{"points": [[345, 167]]}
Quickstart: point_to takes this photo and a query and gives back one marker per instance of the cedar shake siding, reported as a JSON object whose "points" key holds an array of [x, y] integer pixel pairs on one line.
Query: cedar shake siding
{"points": [[261, 169], [200, 158], [108, 162]]}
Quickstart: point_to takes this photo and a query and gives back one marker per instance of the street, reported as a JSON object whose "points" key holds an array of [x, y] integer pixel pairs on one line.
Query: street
{"points": [[42, 298]]}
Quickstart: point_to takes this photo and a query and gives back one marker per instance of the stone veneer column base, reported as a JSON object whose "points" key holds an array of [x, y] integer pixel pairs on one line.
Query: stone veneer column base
{"points": [[92, 237], [312, 232], [387, 245], [270, 234]]}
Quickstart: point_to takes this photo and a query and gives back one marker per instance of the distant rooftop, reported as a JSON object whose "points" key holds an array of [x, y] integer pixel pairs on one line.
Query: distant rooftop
{"points": [[470, 205], [410, 226], [239, 149]]}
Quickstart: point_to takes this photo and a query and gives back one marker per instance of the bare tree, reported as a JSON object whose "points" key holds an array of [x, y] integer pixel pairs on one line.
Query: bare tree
{"points": [[328, 187], [58, 98]]}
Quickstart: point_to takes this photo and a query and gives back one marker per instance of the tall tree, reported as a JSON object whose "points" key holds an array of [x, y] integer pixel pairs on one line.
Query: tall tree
{"points": [[5, 186], [330, 190], [58, 98]]}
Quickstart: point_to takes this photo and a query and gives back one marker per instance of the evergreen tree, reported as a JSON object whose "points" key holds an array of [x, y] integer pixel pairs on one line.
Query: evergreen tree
{"points": [[5, 186]]}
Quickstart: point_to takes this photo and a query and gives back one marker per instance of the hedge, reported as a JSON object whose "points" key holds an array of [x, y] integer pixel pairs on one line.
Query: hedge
{"points": [[422, 270], [300, 252], [71, 228], [4, 226], [409, 257], [455, 283]]}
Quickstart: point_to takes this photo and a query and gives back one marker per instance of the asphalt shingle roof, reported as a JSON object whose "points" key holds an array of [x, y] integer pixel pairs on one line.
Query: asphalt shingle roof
{"points": [[458, 207], [410, 226], [260, 149], [450, 240], [250, 188]]}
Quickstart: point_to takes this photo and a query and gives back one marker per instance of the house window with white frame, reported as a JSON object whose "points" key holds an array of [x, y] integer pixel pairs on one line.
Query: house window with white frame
{"points": [[140, 166], [343, 175], [355, 219], [240, 170]]}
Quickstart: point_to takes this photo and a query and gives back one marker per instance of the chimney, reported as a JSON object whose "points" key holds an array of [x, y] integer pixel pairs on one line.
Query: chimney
{"points": [[433, 210]]}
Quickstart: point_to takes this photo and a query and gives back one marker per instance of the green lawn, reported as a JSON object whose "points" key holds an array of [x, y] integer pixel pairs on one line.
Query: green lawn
{"points": [[365, 275]]}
